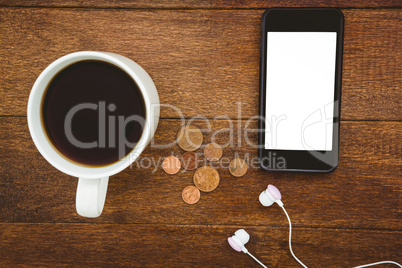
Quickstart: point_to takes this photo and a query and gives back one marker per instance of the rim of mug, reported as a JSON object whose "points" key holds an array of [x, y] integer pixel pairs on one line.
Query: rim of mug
{"points": [[40, 138]]}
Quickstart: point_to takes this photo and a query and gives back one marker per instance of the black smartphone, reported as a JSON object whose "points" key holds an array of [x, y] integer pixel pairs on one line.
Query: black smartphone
{"points": [[300, 89]]}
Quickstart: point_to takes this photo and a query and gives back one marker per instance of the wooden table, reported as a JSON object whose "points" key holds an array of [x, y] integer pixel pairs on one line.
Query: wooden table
{"points": [[204, 59]]}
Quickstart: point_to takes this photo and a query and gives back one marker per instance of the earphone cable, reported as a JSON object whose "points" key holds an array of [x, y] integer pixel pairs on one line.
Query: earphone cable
{"points": [[377, 263], [290, 239], [302, 264], [256, 260]]}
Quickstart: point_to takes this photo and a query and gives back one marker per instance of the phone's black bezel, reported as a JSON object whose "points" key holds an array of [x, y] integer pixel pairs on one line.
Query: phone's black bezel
{"points": [[301, 20]]}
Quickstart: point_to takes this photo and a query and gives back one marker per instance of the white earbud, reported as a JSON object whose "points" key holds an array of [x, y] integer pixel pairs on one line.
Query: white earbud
{"points": [[271, 195], [268, 197], [238, 240]]}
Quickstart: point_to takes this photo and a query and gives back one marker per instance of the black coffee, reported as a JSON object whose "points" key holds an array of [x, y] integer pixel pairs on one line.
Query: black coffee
{"points": [[93, 113]]}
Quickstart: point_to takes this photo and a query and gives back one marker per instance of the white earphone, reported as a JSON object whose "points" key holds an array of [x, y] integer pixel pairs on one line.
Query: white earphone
{"points": [[237, 242], [241, 237], [268, 197], [271, 195]]}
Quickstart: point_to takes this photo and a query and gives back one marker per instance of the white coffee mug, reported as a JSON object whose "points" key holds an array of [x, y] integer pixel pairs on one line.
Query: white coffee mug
{"points": [[93, 181]]}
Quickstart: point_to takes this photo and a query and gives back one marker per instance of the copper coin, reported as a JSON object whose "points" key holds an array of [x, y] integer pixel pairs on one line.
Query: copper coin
{"points": [[213, 152], [206, 178], [171, 164], [189, 138], [189, 160], [238, 167], [190, 195]]}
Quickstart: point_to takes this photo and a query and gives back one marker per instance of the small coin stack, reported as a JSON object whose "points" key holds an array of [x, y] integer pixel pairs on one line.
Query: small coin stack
{"points": [[206, 178]]}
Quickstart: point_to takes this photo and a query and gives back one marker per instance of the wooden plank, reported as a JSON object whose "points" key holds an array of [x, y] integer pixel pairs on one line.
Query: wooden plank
{"points": [[364, 192], [201, 4], [189, 246], [206, 58]]}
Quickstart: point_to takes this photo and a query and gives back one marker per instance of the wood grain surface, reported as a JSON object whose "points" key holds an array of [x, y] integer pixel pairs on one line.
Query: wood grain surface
{"points": [[138, 245], [204, 59], [197, 55], [353, 196], [194, 4]]}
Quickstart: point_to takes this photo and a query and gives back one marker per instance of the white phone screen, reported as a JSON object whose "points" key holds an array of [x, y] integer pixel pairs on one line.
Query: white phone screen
{"points": [[300, 86]]}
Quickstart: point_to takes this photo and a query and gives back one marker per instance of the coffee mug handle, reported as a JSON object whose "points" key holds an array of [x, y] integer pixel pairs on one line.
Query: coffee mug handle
{"points": [[91, 195]]}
